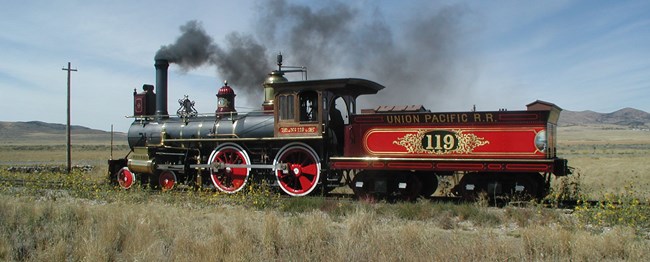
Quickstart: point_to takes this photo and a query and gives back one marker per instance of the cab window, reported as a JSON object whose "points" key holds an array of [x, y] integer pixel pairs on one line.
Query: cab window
{"points": [[286, 107], [308, 106]]}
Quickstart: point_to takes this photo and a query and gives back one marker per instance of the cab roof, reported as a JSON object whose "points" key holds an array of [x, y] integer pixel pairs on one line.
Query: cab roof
{"points": [[342, 86]]}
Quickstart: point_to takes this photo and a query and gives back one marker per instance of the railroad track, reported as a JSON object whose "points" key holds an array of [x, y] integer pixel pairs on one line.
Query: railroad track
{"points": [[561, 204]]}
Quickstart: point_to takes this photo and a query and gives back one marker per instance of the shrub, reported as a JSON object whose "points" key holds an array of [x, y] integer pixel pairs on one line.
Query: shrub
{"points": [[616, 210], [567, 188]]}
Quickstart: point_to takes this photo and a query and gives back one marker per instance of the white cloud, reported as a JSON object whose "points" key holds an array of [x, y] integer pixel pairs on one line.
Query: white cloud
{"points": [[579, 55]]}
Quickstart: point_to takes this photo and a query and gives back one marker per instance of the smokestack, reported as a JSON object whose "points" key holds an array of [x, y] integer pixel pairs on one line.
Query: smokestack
{"points": [[161, 88]]}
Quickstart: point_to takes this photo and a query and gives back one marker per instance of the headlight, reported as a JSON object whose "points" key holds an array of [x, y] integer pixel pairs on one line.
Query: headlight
{"points": [[540, 141]]}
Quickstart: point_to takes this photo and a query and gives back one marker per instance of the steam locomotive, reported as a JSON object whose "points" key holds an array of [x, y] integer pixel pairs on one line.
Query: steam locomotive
{"points": [[310, 138]]}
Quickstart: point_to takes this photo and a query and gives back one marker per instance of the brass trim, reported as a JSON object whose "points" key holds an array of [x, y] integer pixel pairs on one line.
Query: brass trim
{"points": [[242, 139]]}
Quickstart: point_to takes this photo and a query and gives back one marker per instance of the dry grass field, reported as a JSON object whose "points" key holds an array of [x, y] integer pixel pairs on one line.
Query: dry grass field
{"points": [[608, 159], [92, 149], [45, 229], [87, 219]]}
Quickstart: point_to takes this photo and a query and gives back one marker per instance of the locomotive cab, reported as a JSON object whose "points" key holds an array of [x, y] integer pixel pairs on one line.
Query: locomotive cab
{"points": [[317, 108], [298, 113]]}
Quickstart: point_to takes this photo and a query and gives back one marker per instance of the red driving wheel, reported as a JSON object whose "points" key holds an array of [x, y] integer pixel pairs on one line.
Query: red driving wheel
{"points": [[229, 179], [303, 169]]}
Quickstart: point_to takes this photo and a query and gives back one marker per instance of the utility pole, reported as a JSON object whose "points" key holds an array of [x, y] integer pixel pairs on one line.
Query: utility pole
{"points": [[67, 127]]}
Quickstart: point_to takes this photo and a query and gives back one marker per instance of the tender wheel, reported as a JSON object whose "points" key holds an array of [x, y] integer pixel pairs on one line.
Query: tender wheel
{"points": [[470, 187], [526, 186], [303, 167], [167, 180], [229, 179], [362, 185], [125, 178], [429, 184], [372, 185], [409, 186]]}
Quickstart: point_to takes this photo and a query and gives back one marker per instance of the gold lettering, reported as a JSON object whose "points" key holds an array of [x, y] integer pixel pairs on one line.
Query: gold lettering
{"points": [[405, 119], [488, 117], [429, 143], [439, 118]]}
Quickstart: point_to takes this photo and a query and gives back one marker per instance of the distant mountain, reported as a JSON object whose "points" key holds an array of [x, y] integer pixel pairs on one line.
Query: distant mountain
{"points": [[42, 127], [629, 117], [41, 132], [36, 132]]}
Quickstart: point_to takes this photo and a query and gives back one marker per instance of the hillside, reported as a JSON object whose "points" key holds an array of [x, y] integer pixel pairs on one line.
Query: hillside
{"points": [[626, 117], [37, 132]]}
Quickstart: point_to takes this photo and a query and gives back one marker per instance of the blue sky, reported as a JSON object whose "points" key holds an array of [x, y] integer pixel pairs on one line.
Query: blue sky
{"points": [[580, 55]]}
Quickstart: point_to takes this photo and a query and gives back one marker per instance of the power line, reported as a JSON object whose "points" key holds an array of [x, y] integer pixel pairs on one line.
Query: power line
{"points": [[67, 127]]}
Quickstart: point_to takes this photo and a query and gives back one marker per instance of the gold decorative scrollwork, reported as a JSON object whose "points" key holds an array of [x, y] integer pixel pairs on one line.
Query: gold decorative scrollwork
{"points": [[424, 143]]}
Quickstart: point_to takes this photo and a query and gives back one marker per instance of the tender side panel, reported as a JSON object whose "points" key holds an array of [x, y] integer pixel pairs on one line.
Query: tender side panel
{"points": [[453, 142], [502, 134], [502, 141]]}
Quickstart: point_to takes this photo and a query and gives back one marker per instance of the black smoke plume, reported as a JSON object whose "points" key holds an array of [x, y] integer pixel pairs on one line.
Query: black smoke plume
{"points": [[242, 62], [192, 49], [419, 64]]}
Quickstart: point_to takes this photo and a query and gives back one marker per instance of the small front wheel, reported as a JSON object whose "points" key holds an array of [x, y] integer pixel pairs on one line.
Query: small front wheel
{"points": [[125, 178], [167, 180]]}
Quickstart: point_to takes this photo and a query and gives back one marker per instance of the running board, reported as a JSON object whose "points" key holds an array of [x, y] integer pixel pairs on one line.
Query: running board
{"points": [[220, 165]]}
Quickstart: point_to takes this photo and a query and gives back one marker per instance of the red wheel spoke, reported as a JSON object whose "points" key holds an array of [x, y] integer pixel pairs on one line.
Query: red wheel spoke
{"points": [[237, 183], [305, 183], [239, 172], [311, 169]]}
